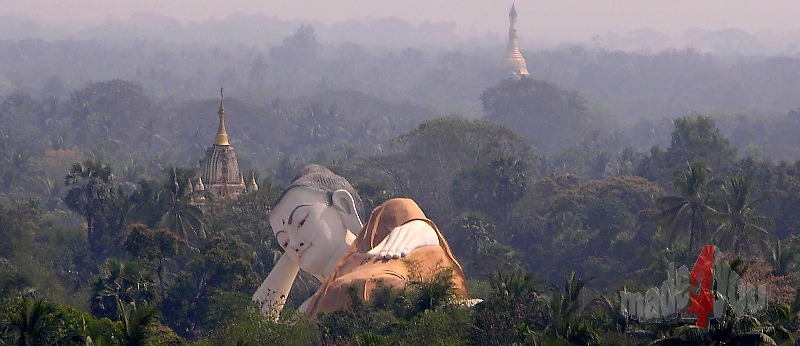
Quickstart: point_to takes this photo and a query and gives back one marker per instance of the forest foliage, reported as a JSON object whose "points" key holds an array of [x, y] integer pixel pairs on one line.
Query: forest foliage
{"points": [[556, 199]]}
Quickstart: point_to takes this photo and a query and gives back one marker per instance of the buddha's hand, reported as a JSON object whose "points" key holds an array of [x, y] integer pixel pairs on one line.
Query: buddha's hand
{"points": [[404, 239]]}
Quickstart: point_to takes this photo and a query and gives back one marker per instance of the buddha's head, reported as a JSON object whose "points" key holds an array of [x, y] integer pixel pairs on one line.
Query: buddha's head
{"points": [[314, 218]]}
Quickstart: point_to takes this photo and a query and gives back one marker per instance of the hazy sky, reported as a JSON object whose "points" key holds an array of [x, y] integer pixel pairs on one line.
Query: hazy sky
{"points": [[543, 20]]}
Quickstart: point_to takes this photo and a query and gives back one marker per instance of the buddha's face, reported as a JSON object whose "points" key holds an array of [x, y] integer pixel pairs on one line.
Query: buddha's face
{"points": [[308, 229]]}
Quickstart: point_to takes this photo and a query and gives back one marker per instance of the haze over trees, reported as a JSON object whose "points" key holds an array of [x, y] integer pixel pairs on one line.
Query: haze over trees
{"points": [[555, 192]]}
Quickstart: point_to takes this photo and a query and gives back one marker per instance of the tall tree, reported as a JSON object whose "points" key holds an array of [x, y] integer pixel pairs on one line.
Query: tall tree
{"points": [[146, 207], [244, 217], [137, 325], [28, 320], [182, 216], [154, 248], [121, 282], [492, 187], [541, 111], [566, 321], [691, 210], [17, 224], [111, 117], [515, 303], [426, 162], [783, 259], [693, 139], [221, 264], [740, 224], [89, 182]]}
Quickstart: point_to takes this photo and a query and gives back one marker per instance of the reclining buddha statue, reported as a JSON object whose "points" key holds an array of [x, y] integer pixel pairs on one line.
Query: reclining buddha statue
{"points": [[317, 223]]}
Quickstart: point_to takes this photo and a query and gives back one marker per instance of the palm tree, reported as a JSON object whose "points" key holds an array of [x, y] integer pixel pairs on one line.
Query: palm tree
{"points": [[783, 259], [735, 329], [692, 208], [28, 320], [515, 311], [90, 189], [607, 308], [739, 223], [125, 282], [565, 313], [182, 216], [137, 324], [514, 284]]}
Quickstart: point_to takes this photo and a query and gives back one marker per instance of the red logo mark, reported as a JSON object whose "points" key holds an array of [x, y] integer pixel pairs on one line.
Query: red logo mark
{"points": [[702, 300]]}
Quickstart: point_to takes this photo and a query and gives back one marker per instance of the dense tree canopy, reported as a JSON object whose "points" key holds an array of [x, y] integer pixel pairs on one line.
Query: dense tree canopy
{"points": [[694, 139], [426, 161], [551, 186], [549, 116]]}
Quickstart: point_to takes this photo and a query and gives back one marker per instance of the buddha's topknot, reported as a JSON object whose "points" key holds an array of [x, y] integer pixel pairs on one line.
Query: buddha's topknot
{"points": [[318, 177]]}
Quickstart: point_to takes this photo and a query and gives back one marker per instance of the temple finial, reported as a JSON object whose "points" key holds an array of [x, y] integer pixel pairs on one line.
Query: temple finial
{"points": [[222, 137], [512, 15], [221, 111]]}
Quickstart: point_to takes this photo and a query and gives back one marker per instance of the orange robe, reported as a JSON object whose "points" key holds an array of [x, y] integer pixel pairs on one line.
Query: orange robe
{"points": [[356, 268]]}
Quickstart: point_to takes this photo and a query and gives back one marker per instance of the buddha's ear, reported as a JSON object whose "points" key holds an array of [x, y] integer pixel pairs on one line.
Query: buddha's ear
{"points": [[344, 203]]}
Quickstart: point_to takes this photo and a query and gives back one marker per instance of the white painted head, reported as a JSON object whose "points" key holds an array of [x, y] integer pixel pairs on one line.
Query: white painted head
{"points": [[315, 219]]}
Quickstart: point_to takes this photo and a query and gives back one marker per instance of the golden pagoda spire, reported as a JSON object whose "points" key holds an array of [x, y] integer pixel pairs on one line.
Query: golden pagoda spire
{"points": [[253, 184], [514, 57], [222, 137]]}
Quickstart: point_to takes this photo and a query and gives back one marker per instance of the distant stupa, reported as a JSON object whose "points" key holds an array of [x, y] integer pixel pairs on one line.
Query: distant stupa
{"points": [[514, 58], [219, 169]]}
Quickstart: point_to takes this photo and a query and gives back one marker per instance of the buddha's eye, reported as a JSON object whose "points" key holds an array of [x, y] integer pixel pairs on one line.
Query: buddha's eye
{"points": [[302, 222]]}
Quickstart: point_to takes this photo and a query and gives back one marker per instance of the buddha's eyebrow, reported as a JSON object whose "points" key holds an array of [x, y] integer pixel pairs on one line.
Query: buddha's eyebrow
{"points": [[291, 215]]}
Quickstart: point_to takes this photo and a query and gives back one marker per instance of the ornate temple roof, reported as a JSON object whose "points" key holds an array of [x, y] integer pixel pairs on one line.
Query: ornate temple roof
{"points": [[219, 168]]}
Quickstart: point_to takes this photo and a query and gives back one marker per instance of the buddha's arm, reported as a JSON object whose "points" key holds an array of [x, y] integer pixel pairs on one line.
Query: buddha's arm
{"points": [[271, 296], [404, 239]]}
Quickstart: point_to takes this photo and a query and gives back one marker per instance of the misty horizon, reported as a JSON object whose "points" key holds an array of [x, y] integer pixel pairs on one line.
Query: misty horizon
{"points": [[715, 27]]}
